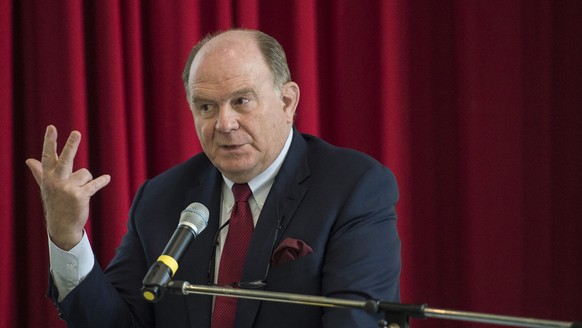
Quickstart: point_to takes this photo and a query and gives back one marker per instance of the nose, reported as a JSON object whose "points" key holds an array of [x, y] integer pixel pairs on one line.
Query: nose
{"points": [[227, 119]]}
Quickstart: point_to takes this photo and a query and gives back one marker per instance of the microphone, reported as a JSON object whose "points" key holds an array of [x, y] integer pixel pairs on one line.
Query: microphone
{"points": [[193, 220]]}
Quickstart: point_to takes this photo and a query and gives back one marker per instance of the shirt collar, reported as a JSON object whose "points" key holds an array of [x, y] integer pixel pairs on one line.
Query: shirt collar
{"points": [[261, 184]]}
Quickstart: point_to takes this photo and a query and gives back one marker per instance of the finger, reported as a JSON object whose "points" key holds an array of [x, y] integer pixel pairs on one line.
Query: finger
{"points": [[92, 187], [65, 161], [49, 148], [81, 177], [36, 169]]}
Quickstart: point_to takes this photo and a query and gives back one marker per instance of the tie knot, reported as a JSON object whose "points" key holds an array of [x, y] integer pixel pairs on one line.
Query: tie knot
{"points": [[241, 192]]}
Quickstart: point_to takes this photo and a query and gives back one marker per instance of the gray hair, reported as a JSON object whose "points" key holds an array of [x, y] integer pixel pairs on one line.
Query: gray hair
{"points": [[270, 48]]}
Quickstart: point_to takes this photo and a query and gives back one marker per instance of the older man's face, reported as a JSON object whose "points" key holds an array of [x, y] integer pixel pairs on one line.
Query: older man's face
{"points": [[241, 119]]}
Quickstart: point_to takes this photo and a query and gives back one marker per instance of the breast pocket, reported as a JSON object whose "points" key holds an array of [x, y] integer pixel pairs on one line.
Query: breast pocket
{"points": [[298, 276]]}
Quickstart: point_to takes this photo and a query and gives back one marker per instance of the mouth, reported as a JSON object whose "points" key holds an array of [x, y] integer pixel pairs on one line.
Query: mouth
{"points": [[231, 147]]}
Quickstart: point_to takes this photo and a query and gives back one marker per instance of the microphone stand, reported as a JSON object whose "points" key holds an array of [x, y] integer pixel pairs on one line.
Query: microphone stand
{"points": [[396, 315]]}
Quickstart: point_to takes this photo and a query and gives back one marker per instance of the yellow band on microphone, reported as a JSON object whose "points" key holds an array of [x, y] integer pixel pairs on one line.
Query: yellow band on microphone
{"points": [[170, 262]]}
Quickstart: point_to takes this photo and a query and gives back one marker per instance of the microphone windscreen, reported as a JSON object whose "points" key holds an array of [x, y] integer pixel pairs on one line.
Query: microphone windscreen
{"points": [[195, 216]]}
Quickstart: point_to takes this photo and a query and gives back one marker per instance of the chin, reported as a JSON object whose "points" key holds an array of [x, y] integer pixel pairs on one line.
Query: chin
{"points": [[235, 170]]}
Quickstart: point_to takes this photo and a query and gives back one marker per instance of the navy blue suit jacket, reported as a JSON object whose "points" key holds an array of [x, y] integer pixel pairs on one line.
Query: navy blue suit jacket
{"points": [[338, 201]]}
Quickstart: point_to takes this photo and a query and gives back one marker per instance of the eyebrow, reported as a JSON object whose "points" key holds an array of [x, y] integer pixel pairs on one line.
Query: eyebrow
{"points": [[237, 93]]}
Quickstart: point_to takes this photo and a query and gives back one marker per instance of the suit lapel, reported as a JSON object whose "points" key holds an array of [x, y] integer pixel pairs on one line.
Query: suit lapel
{"points": [[281, 204], [194, 267]]}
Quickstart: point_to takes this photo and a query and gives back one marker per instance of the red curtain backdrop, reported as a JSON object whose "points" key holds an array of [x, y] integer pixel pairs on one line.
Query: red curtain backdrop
{"points": [[475, 105]]}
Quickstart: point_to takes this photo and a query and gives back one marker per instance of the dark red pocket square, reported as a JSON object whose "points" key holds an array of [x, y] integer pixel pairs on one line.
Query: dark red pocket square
{"points": [[288, 250]]}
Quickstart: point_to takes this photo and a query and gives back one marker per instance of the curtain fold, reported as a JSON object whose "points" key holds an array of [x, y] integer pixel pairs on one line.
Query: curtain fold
{"points": [[7, 209], [475, 105]]}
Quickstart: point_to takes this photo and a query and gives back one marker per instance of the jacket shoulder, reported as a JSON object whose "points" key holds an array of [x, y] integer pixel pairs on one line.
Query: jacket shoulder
{"points": [[325, 156]]}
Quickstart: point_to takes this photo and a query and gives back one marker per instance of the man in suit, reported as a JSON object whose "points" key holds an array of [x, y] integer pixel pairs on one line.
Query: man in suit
{"points": [[329, 211]]}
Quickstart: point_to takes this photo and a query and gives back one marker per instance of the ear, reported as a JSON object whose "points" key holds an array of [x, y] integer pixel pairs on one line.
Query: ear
{"points": [[290, 97]]}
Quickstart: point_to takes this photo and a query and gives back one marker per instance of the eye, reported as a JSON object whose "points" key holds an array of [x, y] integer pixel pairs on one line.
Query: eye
{"points": [[206, 109], [240, 101]]}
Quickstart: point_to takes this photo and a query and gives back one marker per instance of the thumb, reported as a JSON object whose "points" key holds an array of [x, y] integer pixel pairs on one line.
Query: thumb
{"points": [[36, 169]]}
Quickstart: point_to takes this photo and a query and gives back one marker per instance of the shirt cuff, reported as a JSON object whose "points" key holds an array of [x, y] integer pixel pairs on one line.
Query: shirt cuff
{"points": [[68, 269]]}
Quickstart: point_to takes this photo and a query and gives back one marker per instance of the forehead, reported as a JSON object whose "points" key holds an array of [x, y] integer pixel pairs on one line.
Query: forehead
{"points": [[228, 60]]}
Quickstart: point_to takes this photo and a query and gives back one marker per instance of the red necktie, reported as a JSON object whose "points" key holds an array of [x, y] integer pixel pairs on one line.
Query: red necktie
{"points": [[232, 259]]}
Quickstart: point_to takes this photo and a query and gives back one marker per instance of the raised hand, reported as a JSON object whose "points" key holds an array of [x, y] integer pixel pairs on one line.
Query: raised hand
{"points": [[65, 194]]}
